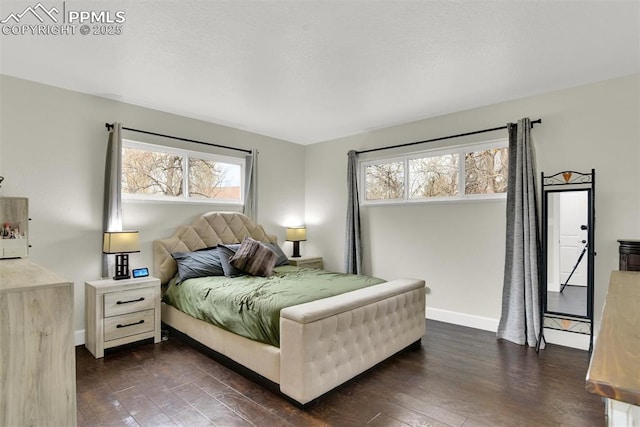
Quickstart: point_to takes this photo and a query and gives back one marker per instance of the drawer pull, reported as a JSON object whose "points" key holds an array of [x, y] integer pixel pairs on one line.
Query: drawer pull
{"points": [[130, 301], [130, 324]]}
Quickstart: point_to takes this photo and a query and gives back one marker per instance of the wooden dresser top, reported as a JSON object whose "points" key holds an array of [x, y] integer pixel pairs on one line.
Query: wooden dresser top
{"points": [[614, 371], [22, 274]]}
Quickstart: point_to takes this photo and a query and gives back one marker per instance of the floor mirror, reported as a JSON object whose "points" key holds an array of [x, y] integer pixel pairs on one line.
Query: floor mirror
{"points": [[568, 251]]}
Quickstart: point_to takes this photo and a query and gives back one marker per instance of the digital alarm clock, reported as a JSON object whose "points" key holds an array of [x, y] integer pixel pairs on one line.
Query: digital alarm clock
{"points": [[140, 272]]}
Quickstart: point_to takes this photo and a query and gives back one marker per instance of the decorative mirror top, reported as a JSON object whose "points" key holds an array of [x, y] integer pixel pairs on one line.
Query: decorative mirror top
{"points": [[568, 178]]}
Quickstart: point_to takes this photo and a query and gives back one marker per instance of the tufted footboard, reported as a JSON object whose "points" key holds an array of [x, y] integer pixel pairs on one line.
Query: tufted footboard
{"points": [[327, 342]]}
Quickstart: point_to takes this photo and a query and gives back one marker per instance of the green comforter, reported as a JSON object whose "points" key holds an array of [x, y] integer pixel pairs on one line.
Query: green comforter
{"points": [[250, 306]]}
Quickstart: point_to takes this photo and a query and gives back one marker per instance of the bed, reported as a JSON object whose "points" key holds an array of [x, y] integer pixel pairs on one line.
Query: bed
{"points": [[322, 343]]}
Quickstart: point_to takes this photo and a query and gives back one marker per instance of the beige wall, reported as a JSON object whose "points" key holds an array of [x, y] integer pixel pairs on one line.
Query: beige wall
{"points": [[52, 150], [458, 248]]}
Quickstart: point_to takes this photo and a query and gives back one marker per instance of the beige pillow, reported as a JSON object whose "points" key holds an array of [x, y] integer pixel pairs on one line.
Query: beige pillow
{"points": [[254, 258]]}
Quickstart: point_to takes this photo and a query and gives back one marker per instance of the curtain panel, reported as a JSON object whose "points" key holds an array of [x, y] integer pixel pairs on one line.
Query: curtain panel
{"points": [[353, 242], [112, 208], [250, 207], [520, 320]]}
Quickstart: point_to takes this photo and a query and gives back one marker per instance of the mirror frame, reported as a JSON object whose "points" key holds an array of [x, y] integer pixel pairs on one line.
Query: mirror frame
{"points": [[563, 182]]}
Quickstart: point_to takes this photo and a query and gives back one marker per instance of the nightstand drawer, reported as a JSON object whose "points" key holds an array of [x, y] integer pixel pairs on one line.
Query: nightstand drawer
{"points": [[116, 303], [308, 262], [128, 324], [315, 264]]}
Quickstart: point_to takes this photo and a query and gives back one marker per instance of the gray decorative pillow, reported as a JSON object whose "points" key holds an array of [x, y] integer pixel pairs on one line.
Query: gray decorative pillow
{"points": [[225, 252], [198, 264], [254, 258], [282, 258]]}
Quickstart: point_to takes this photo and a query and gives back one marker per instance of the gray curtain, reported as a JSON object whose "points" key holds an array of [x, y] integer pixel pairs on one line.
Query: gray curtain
{"points": [[353, 243], [112, 213], [250, 208], [520, 320]]}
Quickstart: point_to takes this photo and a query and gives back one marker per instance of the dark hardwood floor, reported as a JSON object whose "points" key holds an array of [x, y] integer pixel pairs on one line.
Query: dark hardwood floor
{"points": [[457, 377]]}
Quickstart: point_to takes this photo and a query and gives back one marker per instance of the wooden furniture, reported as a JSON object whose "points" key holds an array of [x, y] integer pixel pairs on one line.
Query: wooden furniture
{"points": [[629, 252], [614, 371], [120, 312], [14, 227], [323, 343], [37, 353], [310, 262]]}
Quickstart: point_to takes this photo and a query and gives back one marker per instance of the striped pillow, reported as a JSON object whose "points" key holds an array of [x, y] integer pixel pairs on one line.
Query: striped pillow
{"points": [[254, 258]]}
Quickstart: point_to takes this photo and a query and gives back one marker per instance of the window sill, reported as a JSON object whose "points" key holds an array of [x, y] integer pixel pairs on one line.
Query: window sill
{"points": [[465, 199], [182, 201]]}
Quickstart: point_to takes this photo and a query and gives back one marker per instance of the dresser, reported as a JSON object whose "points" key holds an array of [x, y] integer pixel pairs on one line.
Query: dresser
{"points": [[613, 369], [629, 252], [120, 312], [37, 353]]}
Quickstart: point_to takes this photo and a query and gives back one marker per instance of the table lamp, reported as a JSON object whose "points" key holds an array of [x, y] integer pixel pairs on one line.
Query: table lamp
{"points": [[296, 235], [121, 243]]}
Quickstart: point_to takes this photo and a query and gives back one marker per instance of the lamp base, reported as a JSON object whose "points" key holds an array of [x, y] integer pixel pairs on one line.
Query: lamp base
{"points": [[296, 250], [122, 267]]}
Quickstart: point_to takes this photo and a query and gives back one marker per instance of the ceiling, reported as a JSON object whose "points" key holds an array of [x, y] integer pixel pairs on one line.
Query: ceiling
{"points": [[310, 71]]}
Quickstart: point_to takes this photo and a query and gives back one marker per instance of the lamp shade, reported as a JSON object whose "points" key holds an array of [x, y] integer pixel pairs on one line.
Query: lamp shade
{"points": [[296, 234], [119, 242]]}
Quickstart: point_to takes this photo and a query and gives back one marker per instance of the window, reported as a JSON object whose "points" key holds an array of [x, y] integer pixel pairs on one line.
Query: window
{"points": [[486, 171], [435, 176], [470, 172], [385, 181], [152, 172]]}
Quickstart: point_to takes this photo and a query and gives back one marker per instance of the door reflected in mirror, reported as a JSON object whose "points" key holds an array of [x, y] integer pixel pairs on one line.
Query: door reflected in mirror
{"points": [[567, 247]]}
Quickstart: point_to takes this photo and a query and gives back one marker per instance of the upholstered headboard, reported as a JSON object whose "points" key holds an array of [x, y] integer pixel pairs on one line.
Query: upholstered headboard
{"points": [[208, 230]]}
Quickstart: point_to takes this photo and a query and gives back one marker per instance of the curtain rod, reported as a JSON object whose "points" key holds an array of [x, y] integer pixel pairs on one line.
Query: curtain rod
{"points": [[440, 138], [109, 126]]}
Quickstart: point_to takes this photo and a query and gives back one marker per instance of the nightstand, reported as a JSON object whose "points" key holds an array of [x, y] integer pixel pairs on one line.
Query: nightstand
{"points": [[120, 312], [310, 262]]}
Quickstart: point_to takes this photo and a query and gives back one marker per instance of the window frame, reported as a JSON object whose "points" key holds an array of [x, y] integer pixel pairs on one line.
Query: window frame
{"points": [[459, 150], [185, 154]]}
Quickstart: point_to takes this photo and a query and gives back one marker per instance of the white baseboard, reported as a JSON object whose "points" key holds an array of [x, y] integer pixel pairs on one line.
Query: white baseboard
{"points": [[79, 337], [463, 319], [567, 339]]}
